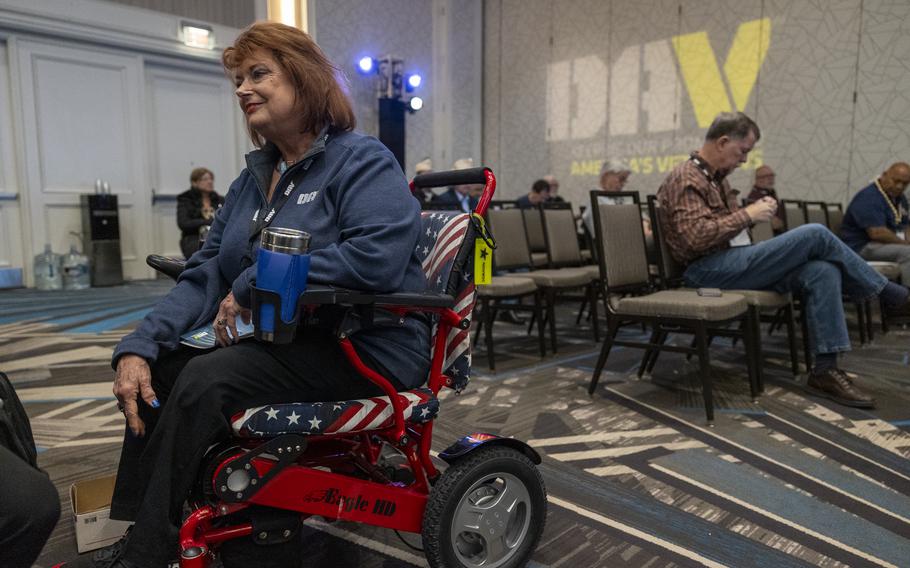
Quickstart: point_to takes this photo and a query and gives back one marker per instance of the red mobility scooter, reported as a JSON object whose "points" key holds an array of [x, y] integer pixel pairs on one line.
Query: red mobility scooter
{"points": [[332, 459]]}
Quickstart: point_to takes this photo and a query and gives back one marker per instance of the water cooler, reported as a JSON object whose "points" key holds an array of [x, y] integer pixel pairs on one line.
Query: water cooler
{"points": [[101, 238]]}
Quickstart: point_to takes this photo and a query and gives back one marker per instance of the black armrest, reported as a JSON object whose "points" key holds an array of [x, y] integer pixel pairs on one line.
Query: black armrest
{"points": [[422, 300], [166, 265], [341, 310], [318, 294]]}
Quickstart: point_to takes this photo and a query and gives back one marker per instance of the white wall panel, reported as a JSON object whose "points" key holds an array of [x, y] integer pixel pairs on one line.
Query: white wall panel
{"points": [[133, 247], [62, 220], [164, 226], [8, 184], [191, 127], [191, 124], [81, 119], [10, 225], [10, 254], [75, 102]]}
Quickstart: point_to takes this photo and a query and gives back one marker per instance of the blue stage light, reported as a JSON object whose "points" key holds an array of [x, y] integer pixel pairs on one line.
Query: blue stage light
{"points": [[366, 64], [416, 103], [414, 81]]}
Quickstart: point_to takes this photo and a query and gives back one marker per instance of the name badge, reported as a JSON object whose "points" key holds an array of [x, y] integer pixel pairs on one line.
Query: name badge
{"points": [[741, 240]]}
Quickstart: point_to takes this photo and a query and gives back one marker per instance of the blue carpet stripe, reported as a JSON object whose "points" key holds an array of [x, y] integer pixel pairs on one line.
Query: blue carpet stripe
{"points": [[829, 431], [865, 466], [86, 316], [822, 469], [111, 323], [59, 312], [759, 462], [744, 482], [690, 532], [641, 462]]}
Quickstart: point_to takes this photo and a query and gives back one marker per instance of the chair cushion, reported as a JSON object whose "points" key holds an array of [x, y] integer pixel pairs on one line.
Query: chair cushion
{"points": [[592, 270], [332, 417], [762, 298], [539, 259], [890, 270], [561, 277], [683, 304], [504, 286]]}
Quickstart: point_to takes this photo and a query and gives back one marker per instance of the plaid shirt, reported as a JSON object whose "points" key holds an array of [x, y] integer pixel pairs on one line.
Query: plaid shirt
{"points": [[701, 215]]}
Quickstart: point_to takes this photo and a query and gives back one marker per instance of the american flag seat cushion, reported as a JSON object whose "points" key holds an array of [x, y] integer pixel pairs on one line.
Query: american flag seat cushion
{"points": [[443, 233], [332, 417]]}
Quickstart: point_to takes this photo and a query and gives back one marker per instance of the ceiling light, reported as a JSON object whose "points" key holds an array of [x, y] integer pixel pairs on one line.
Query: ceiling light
{"points": [[197, 35]]}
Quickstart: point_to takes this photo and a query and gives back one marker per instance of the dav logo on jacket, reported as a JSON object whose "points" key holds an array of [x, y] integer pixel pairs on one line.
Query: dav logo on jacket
{"points": [[304, 198]]}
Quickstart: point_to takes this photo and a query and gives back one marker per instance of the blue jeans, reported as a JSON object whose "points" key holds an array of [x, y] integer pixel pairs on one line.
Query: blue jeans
{"points": [[809, 261]]}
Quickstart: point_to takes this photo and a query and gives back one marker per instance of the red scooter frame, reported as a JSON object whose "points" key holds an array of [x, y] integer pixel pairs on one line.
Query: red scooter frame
{"points": [[371, 497]]}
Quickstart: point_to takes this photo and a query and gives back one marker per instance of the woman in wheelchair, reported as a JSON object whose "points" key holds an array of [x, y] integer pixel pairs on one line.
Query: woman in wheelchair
{"points": [[311, 172]]}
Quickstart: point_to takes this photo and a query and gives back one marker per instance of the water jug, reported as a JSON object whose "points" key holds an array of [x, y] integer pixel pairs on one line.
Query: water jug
{"points": [[75, 271], [282, 267], [47, 270]]}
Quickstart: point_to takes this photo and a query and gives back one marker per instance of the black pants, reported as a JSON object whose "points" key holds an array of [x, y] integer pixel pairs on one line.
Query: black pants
{"points": [[199, 391], [29, 510]]}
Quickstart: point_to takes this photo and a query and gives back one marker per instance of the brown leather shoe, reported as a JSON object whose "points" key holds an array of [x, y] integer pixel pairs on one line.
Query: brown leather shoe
{"points": [[836, 385]]}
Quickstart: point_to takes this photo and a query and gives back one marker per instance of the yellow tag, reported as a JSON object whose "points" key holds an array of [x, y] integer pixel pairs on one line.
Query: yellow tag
{"points": [[483, 262]]}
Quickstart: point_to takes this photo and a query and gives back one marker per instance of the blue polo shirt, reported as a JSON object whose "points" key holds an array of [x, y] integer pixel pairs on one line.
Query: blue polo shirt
{"points": [[869, 209]]}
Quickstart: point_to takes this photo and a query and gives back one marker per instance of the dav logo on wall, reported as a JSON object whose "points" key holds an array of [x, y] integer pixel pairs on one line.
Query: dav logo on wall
{"points": [[644, 80], [639, 99]]}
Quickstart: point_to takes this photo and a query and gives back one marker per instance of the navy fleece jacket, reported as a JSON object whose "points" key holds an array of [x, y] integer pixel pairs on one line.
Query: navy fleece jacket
{"points": [[352, 197]]}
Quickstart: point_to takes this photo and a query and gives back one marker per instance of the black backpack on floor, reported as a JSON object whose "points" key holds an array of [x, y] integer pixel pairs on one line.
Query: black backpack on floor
{"points": [[15, 429]]}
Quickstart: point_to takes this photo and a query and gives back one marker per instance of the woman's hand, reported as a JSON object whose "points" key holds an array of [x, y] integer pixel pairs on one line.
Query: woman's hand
{"points": [[134, 379], [227, 320]]}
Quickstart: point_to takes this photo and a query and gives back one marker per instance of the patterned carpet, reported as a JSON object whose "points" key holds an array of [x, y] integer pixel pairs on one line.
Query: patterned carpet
{"points": [[634, 476]]}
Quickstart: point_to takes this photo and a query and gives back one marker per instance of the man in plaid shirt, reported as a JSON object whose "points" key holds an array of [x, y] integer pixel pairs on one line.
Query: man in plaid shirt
{"points": [[708, 232]]}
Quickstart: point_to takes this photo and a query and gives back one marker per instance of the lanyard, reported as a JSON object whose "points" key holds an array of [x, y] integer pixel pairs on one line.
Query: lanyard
{"points": [[897, 215], [259, 222], [712, 181], [703, 168]]}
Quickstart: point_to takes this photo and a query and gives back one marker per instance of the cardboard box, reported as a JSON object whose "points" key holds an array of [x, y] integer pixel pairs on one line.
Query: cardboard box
{"points": [[91, 500]]}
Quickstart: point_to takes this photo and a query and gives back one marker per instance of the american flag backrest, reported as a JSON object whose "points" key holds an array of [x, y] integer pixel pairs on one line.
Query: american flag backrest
{"points": [[442, 235]]}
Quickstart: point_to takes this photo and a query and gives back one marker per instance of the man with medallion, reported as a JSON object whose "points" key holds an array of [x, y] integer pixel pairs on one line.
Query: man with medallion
{"points": [[876, 222]]}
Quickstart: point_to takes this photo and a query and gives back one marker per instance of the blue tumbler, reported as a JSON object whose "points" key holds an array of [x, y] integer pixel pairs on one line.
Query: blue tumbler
{"points": [[282, 267]]}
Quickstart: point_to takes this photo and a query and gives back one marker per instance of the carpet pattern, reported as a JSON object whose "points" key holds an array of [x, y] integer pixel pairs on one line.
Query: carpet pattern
{"points": [[634, 476]]}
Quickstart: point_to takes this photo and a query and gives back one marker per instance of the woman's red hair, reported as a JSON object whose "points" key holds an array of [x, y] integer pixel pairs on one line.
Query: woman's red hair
{"points": [[319, 83]]}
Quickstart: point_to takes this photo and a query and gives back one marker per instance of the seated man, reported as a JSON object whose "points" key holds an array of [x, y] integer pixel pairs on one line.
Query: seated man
{"points": [[705, 230], [424, 166], [613, 177], [460, 197], [875, 224], [763, 186], [554, 196], [540, 192]]}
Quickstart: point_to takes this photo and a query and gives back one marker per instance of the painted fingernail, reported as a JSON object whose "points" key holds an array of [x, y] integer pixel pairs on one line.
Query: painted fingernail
{"points": [[155, 403]]}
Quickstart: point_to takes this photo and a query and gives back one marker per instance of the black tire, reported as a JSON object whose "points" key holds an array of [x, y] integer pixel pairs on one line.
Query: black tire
{"points": [[484, 474]]}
